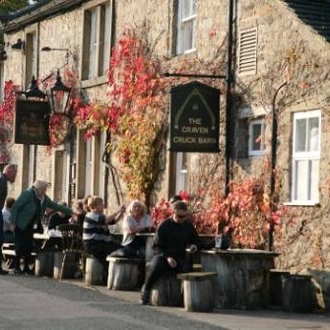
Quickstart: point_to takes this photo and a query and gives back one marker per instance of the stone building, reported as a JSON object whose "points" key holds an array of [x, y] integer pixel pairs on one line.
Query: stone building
{"points": [[276, 55]]}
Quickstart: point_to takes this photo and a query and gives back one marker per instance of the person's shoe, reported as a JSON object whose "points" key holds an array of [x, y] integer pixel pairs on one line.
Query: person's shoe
{"points": [[18, 271], [3, 272], [144, 299], [28, 271]]}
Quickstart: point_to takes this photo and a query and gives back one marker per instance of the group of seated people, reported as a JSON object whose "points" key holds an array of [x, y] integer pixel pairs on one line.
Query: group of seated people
{"points": [[172, 236]]}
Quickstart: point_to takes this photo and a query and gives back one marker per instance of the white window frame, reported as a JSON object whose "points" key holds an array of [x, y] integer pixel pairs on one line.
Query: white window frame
{"points": [[186, 25], [261, 151], [98, 16], [305, 184]]}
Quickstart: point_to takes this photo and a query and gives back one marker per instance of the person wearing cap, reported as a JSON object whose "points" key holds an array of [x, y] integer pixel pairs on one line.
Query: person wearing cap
{"points": [[172, 238], [26, 212], [8, 175]]}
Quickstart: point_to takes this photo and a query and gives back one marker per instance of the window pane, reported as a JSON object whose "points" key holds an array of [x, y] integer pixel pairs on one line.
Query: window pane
{"points": [[93, 45], [107, 39], [314, 184], [188, 35], [188, 8], [313, 132], [300, 138], [301, 180], [256, 137]]}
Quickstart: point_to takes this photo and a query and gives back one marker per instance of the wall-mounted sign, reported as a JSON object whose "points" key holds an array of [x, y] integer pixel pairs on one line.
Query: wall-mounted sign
{"points": [[31, 122], [195, 118]]}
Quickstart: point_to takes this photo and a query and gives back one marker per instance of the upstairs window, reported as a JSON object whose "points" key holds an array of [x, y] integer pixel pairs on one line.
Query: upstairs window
{"points": [[31, 58], [306, 157], [257, 137], [247, 56], [186, 26], [96, 39]]}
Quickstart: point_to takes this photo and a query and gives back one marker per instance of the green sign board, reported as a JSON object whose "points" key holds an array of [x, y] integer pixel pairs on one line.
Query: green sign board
{"points": [[31, 122], [194, 118]]}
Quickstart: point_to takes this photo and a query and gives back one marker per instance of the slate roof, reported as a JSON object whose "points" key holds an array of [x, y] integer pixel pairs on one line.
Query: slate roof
{"points": [[315, 13]]}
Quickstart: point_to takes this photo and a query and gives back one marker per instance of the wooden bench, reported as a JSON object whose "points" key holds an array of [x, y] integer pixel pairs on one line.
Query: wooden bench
{"points": [[123, 273], [8, 253], [198, 291]]}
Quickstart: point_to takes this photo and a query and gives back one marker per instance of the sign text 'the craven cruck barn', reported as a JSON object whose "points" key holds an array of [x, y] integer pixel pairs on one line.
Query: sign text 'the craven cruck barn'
{"points": [[194, 118]]}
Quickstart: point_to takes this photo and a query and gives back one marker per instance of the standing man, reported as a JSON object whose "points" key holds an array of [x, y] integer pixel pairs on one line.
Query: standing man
{"points": [[8, 175], [173, 236]]}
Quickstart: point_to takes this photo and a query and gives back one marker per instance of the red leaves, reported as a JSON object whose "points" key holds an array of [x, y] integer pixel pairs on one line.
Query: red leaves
{"points": [[6, 120], [58, 129]]}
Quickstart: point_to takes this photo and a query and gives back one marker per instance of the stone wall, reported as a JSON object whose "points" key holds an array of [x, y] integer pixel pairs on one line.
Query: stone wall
{"points": [[291, 51], [287, 50]]}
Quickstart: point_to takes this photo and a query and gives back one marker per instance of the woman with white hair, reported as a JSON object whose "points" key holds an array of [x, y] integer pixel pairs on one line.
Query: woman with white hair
{"points": [[27, 211], [136, 221]]}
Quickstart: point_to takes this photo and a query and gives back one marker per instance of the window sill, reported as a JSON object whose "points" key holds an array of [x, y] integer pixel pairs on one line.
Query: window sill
{"points": [[94, 82], [256, 155], [302, 203]]}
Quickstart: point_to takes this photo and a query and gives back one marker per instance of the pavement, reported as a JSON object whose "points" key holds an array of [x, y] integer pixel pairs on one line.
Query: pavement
{"points": [[13, 287], [266, 319]]}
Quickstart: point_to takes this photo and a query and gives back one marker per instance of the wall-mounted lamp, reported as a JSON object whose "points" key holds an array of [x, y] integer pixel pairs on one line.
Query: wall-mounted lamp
{"points": [[19, 45], [33, 90], [59, 96]]}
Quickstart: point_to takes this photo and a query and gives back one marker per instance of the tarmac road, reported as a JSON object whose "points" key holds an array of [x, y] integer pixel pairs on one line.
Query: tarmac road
{"points": [[29, 302]]}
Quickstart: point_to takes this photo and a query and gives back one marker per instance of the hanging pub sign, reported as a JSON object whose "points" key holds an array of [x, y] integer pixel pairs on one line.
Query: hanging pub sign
{"points": [[194, 118], [31, 122]]}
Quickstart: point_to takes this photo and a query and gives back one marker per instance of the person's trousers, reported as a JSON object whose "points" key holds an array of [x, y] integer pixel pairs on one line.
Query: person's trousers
{"points": [[100, 250], [23, 246], [158, 266]]}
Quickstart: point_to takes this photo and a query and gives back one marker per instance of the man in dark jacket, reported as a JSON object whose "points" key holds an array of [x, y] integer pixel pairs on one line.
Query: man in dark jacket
{"points": [[172, 238], [8, 175]]}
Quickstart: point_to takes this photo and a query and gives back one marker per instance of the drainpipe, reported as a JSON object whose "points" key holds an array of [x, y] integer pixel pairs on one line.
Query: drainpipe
{"points": [[273, 160], [228, 152]]}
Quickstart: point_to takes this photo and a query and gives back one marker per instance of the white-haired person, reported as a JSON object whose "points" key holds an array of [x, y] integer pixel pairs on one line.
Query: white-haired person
{"points": [[27, 212], [136, 220]]}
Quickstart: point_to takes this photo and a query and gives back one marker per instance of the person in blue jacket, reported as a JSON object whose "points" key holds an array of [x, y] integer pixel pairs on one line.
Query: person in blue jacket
{"points": [[26, 214]]}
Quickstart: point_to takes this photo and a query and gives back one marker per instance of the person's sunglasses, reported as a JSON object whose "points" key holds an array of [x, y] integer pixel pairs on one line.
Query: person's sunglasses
{"points": [[181, 216]]}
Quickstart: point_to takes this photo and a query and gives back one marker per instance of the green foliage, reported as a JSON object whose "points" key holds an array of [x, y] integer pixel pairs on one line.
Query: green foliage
{"points": [[9, 6]]}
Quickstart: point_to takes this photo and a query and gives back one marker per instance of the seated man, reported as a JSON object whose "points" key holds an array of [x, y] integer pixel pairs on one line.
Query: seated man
{"points": [[172, 238], [96, 236]]}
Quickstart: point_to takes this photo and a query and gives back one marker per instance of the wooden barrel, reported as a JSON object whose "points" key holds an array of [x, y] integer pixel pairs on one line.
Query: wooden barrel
{"points": [[276, 283], [167, 291], [65, 265], [44, 264], [94, 272], [123, 273], [298, 294]]}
